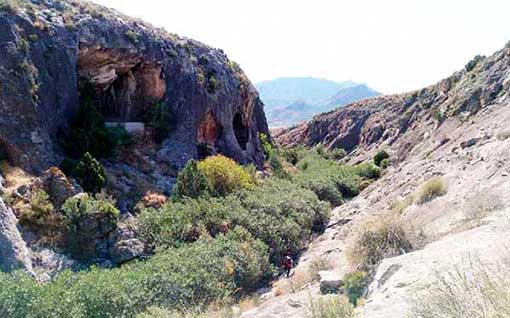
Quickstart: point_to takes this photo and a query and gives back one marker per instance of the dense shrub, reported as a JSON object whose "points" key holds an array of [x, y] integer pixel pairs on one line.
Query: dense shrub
{"points": [[330, 181], [337, 154], [281, 214], [277, 167], [185, 221], [224, 175], [90, 174], [161, 120], [378, 239], [385, 163], [267, 147], [295, 154], [368, 170], [86, 218], [193, 275], [191, 182], [431, 189], [354, 285], [380, 156]]}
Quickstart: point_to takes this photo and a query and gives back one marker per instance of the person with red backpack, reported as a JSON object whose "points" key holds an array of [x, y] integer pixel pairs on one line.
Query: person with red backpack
{"points": [[287, 264]]}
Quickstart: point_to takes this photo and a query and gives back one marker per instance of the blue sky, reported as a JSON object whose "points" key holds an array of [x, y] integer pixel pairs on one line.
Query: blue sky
{"points": [[394, 45]]}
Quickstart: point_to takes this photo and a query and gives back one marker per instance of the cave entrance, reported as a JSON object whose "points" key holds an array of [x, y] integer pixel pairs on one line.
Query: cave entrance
{"points": [[122, 86], [241, 131]]}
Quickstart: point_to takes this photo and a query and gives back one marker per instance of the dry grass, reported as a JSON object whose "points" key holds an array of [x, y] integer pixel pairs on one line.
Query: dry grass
{"points": [[480, 291], [333, 306], [431, 189], [400, 206], [14, 176], [378, 238]]}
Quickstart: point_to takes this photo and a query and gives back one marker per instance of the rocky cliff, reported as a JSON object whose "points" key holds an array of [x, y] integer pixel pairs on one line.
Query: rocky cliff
{"points": [[51, 50]]}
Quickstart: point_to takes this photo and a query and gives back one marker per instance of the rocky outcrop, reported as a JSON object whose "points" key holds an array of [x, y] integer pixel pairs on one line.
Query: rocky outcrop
{"points": [[14, 253], [58, 187], [399, 121], [52, 52]]}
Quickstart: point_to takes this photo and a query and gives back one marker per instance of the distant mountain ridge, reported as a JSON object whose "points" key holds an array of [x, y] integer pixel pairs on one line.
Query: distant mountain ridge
{"points": [[290, 100]]}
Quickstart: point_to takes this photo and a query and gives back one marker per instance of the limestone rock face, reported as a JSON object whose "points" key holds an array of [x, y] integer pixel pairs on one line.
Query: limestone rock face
{"points": [[52, 51], [55, 183], [13, 250]]}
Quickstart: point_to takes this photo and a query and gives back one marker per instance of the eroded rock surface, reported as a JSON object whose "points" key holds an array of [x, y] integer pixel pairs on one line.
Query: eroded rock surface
{"points": [[14, 253], [52, 51]]}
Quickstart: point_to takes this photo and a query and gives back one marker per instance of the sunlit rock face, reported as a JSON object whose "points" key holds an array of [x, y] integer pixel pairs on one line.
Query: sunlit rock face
{"points": [[130, 67]]}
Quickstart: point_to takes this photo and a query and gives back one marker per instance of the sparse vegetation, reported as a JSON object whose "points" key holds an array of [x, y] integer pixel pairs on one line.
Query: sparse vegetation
{"points": [[378, 239], [400, 206], [330, 307], [355, 284], [478, 291], [431, 189], [385, 163]]}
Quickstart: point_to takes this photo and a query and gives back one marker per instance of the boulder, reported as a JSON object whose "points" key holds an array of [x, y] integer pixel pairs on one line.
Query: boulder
{"points": [[14, 253], [55, 183], [330, 282], [469, 143], [123, 244]]}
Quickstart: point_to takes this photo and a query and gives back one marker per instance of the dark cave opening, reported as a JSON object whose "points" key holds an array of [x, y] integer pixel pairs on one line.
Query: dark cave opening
{"points": [[241, 131], [124, 86]]}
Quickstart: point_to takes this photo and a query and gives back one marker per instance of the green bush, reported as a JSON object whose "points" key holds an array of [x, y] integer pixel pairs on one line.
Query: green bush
{"points": [[39, 211], [194, 275], [86, 218], [267, 147], [224, 175], [182, 222], [337, 154], [282, 215], [90, 174], [385, 163], [295, 154], [191, 182], [330, 307], [277, 166], [368, 170], [330, 181], [354, 284], [380, 156], [161, 120]]}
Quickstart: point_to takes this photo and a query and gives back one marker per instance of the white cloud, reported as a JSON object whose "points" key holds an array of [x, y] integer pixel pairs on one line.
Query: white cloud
{"points": [[393, 45]]}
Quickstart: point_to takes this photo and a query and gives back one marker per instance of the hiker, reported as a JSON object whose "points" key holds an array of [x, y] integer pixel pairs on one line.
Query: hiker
{"points": [[287, 264]]}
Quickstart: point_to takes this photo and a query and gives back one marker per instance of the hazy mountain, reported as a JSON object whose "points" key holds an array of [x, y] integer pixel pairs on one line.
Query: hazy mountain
{"points": [[291, 100]]}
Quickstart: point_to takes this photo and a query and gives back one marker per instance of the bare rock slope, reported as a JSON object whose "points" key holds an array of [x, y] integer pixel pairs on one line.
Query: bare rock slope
{"points": [[456, 131]]}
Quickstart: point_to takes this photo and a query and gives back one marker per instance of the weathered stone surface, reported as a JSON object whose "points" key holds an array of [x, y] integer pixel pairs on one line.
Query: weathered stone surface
{"points": [[55, 183], [131, 66], [13, 250], [123, 242], [330, 282]]}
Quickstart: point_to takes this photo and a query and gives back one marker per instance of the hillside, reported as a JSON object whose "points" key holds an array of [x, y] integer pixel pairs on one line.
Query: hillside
{"points": [[443, 194], [291, 100]]}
